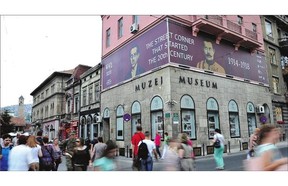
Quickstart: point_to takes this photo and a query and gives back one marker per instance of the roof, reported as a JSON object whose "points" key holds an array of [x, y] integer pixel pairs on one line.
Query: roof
{"points": [[18, 121], [66, 73]]}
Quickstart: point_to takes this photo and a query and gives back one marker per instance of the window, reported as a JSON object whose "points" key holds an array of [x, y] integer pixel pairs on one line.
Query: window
{"points": [[84, 97], [234, 119], [240, 20], [136, 116], [47, 92], [251, 118], [120, 27], [212, 116], [52, 89], [90, 95], [188, 116], [272, 56], [275, 85], [278, 114], [108, 35], [97, 92], [42, 95], [157, 122], [119, 123], [135, 19], [254, 27], [68, 105], [268, 28], [76, 103]]}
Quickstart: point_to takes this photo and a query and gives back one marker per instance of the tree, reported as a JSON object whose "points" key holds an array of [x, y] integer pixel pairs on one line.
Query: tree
{"points": [[6, 127]]}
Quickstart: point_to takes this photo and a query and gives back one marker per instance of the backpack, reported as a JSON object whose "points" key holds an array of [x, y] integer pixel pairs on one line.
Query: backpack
{"points": [[143, 152]]}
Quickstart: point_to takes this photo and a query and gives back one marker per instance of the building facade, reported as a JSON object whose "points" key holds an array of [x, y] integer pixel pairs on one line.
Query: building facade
{"points": [[90, 125], [188, 74], [48, 107], [275, 36], [72, 99]]}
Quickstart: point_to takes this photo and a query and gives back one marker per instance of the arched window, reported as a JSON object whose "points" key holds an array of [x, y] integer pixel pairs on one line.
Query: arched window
{"points": [[135, 116], [234, 123], [188, 124], [119, 123], [251, 118], [157, 123], [82, 127], [89, 127], [212, 116]]}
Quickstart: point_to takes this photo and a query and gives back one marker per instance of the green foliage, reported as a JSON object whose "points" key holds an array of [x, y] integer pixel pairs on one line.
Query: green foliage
{"points": [[6, 127]]}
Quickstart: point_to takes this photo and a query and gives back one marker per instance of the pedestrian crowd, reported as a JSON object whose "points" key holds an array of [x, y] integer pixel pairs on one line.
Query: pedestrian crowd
{"points": [[37, 153]]}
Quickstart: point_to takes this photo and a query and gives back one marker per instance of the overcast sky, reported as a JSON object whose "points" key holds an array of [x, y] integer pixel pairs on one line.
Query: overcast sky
{"points": [[33, 47]]}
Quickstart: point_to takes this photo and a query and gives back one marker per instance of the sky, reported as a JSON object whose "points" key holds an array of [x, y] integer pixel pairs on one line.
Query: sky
{"points": [[33, 47]]}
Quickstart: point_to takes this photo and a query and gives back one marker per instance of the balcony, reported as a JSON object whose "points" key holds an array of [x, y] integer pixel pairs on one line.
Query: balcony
{"points": [[227, 30], [283, 44]]}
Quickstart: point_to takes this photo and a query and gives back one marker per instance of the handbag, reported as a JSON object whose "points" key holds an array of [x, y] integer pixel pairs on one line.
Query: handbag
{"points": [[217, 143]]}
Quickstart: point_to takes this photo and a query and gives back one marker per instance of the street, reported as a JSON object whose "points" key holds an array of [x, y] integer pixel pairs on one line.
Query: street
{"points": [[233, 162]]}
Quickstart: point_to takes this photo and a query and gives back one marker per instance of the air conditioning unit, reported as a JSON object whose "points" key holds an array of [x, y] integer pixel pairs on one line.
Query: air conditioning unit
{"points": [[260, 109], [134, 28], [98, 119]]}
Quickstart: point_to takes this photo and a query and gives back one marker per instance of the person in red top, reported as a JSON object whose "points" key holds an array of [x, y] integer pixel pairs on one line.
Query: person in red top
{"points": [[136, 138], [157, 142]]}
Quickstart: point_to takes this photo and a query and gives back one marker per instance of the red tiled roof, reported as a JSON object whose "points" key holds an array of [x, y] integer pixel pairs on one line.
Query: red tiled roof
{"points": [[18, 121]]}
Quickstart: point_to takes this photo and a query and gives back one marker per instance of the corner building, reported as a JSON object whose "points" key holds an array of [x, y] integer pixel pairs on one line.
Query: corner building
{"points": [[175, 91]]}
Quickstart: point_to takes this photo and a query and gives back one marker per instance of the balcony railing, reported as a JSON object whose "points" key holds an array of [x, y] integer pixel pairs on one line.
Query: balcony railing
{"points": [[233, 26], [215, 19], [283, 42], [251, 34]]}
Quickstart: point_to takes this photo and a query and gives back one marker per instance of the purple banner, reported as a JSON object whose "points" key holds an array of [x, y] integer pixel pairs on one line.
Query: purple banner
{"points": [[150, 50], [204, 53], [144, 53]]}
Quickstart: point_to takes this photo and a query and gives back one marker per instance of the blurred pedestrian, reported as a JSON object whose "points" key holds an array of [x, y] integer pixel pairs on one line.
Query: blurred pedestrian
{"points": [[253, 141], [218, 152], [15, 139], [58, 152], [36, 152], [138, 136], [81, 155], [68, 147], [147, 164], [172, 158], [185, 152], [166, 144], [98, 149], [107, 161], [39, 137], [7, 146], [157, 142], [20, 156], [270, 156], [47, 161]]}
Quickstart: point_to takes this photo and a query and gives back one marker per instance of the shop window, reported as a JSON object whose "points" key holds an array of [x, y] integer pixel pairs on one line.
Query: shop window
{"points": [[188, 116], [135, 117], [119, 123], [278, 115], [234, 123], [251, 118], [212, 116], [157, 123], [82, 127]]}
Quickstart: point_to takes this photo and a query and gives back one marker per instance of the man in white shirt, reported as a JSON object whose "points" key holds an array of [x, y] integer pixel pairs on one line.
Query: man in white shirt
{"points": [[20, 156], [147, 164]]}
